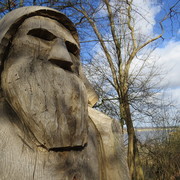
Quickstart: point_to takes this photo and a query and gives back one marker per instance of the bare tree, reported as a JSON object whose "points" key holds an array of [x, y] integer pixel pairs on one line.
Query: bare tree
{"points": [[112, 25]]}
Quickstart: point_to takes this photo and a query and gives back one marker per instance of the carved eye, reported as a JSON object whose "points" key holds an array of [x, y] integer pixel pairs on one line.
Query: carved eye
{"points": [[42, 34], [72, 48]]}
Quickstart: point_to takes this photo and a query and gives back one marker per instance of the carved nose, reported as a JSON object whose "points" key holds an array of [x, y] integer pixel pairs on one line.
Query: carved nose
{"points": [[59, 54]]}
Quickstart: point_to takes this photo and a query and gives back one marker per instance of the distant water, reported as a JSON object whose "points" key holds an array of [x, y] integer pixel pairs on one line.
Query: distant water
{"points": [[147, 135]]}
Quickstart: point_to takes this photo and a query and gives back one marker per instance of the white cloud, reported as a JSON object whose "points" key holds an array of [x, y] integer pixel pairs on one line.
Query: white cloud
{"points": [[144, 15], [169, 57], [174, 93]]}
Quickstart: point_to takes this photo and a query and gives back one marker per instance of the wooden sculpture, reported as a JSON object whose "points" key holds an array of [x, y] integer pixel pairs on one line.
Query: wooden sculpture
{"points": [[48, 128]]}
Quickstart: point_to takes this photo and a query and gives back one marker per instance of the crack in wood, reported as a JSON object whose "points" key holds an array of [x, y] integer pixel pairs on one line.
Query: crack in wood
{"points": [[69, 148]]}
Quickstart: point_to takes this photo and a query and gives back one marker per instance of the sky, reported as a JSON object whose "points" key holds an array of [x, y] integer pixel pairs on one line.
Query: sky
{"points": [[168, 52]]}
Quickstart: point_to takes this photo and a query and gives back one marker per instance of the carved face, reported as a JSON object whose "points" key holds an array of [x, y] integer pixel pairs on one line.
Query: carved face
{"points": [[41, 82]]}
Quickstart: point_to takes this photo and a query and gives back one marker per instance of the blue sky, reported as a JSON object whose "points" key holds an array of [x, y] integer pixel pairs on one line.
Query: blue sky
{"points": [[171, 25], [167, 53]]}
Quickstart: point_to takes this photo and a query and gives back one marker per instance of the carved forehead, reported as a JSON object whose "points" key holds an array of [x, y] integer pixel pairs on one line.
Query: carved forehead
{"points": [[49, 24], [10, 23]]}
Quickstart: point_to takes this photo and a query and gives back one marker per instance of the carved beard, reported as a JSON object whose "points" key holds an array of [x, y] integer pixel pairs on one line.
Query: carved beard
{"points": [[51, 102]]}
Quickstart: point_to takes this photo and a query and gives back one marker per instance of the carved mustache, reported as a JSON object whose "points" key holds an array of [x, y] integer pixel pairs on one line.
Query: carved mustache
{"points": [[62, 64]]}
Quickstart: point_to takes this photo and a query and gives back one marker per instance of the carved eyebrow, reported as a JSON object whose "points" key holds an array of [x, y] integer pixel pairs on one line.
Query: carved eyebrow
{"points": [[72, 48], [42, 34]]}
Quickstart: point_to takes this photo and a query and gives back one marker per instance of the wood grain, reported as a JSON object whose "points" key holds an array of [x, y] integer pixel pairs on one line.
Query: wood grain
{"points": [[47, 130]]}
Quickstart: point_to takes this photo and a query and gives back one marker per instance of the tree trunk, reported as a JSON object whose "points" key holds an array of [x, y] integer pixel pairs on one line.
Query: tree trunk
{"points": [[135, 169]]}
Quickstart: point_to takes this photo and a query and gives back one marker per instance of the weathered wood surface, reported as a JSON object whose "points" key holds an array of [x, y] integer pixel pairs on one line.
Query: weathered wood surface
{"points": [[112, 143], [21, 159], [102, 159], [47, 131], [38, 83], [11, 22]]}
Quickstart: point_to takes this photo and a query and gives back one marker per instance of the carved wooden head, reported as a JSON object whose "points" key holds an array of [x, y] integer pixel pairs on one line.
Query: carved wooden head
{"points": [[42, 79]]}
